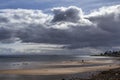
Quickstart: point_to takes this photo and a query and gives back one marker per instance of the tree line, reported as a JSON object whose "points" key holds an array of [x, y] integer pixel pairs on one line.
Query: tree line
{"points": [[111, 53]]}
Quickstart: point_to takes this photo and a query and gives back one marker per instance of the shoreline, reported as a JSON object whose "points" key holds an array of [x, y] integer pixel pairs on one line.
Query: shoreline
{"points": [[59, 70], [88, 75], [55, 71], [66, 67]]}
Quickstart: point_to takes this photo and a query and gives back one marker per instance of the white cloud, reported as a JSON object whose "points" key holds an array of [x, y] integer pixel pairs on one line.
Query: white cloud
{"points": [[67, 26]]}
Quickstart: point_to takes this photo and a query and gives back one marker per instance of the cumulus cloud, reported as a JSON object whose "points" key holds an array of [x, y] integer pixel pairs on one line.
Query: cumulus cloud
{"points": [[72, 14], [67, 26]]}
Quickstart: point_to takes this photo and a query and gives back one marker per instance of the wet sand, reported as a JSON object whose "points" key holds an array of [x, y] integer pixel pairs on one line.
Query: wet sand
{"points": [[58, 70], [66, 67]]}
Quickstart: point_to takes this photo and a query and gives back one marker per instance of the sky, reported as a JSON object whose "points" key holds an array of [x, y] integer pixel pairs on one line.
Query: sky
{"points": [[59, 27], [86, 5]]}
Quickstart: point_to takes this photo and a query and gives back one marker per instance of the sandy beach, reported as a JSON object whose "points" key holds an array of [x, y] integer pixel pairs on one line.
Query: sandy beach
{"points": [[36, 70], [65, 67]]}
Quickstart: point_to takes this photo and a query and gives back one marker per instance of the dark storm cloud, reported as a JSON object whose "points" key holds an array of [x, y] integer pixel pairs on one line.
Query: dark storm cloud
{"points": [[4, 20], [41, 34], [72, 14], [67, 26], [5, 33]]}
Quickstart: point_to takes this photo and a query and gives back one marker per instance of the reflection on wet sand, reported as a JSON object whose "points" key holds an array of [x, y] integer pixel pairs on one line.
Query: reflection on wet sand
{"points": [[55, 70]]}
